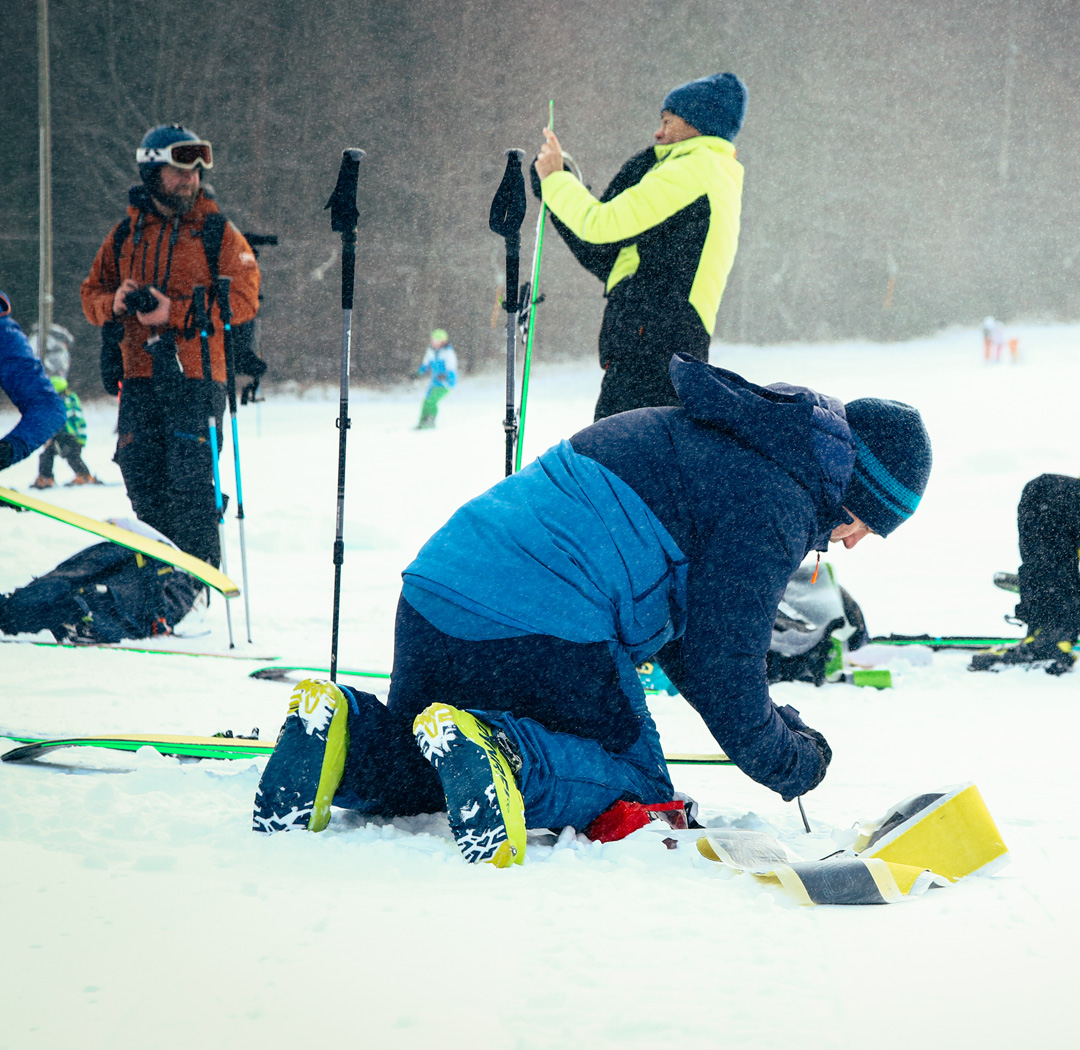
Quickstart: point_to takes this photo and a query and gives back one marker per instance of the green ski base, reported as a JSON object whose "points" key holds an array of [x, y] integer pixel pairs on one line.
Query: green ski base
{"points": [[219, 747], [176, 746]]}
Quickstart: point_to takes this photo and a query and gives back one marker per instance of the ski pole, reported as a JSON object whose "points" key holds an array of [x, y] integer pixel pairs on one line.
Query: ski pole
{"points": [[505, 218], [221, 293], [202, 319], [343, 219], [531, 307], [802, 813]]}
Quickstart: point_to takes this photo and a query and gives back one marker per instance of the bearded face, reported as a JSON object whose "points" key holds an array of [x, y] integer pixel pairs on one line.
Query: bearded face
{"points": [[177, 189]]}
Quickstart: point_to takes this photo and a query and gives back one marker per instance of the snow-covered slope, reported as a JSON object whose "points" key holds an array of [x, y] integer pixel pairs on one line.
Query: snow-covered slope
{"points": [[141, 910]]}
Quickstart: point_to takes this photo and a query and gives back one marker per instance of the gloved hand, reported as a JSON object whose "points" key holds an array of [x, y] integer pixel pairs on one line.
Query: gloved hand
{"points": [[534, 179], [7, 455], [797, 725]]}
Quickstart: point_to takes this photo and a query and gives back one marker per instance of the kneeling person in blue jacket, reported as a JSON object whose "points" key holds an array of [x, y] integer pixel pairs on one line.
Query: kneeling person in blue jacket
{"points": [[665, 534]]}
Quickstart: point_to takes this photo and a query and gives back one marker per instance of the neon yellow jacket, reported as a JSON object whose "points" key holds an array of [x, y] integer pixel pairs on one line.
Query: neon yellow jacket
{"points": [[678, 226]]}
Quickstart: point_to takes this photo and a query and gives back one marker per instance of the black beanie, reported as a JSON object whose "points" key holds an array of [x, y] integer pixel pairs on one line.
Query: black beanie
{"points": [[892, 462], [714, 105]]}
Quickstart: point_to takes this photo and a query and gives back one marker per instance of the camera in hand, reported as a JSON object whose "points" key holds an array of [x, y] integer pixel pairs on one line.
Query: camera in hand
{"points": [[142, 301]]}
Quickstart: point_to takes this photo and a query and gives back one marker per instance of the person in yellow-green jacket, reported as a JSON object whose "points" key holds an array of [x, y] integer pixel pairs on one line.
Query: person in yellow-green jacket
{"points": [[662, 238]]}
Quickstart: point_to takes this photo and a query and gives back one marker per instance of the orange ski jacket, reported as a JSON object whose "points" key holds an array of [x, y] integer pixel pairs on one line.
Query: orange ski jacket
{"points": [[168, 253]]}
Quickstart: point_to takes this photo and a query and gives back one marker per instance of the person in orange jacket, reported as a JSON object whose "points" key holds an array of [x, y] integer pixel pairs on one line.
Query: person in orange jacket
{"points": [[141, 291]]}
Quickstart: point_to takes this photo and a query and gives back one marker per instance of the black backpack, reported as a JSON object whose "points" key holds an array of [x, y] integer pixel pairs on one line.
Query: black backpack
{"points": [[817, 623], [102, 594]]}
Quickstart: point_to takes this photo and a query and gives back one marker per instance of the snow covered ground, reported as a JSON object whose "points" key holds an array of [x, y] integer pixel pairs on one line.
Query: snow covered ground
{"points": [[140, 910]]}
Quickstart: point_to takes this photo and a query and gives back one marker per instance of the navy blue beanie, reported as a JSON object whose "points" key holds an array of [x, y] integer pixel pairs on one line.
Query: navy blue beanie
{"points": [[715, 105], [892, 462]]}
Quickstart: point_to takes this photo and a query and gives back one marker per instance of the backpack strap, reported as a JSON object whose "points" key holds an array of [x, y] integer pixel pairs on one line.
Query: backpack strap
{"points": [[212, 232], [123, 228]]}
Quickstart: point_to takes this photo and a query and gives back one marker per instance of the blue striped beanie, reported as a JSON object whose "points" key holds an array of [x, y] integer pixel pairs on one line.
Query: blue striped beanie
{"points": [[892, 462]]}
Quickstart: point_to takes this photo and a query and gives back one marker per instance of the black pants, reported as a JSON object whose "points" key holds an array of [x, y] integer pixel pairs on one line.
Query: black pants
{"points": [[566, 687], [163, 450], [640, 333], [67, 445], [1048, 520]]}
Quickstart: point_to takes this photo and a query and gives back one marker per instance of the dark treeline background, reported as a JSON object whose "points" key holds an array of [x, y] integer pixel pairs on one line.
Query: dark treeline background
{"points": [[908, 166]]}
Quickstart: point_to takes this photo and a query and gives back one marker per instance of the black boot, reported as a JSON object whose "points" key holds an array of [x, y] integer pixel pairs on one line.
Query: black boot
{"points": [[1048, 648]]}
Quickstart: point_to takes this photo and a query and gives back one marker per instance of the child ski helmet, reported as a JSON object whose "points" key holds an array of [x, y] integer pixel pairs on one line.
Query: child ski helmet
{"points": [[156, 150]]}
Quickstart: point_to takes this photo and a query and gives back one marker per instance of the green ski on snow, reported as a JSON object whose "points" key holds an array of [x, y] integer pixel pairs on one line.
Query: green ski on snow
{"points": [[219, 747], [177, 746], [949, 641], [122, 648], [155, 549], [287, 672]]}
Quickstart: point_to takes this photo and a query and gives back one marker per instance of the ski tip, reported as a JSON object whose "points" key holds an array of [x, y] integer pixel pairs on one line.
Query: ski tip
{"points": [[270, 674]]}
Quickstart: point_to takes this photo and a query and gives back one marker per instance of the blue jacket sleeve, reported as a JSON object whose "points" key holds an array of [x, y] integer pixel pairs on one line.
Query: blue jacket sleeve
{"points": [[24, 381]]}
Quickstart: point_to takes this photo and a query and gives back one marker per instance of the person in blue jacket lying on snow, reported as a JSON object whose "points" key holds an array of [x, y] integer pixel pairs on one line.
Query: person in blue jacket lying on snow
{"points": [[661, 533], [24, 381]]}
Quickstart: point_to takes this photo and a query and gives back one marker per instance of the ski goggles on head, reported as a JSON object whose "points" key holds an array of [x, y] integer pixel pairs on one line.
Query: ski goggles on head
{"points": [[184, 155]]}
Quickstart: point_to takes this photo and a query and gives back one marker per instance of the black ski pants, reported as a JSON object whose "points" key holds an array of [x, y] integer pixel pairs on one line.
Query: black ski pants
{"points": [[639, 334], [163, 450], [1048, 521], [67, 445]]}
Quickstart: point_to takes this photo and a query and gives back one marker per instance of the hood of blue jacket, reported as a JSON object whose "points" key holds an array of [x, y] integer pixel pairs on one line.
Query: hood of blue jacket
{"points": [[802, 431]]}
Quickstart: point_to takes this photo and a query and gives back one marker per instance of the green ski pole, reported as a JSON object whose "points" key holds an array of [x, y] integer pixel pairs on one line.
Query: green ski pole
{"points": [[533, 300]]}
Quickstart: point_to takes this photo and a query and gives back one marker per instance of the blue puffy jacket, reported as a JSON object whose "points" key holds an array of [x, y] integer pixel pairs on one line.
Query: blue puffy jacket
{"points": [[24, 381], [667, 532]]}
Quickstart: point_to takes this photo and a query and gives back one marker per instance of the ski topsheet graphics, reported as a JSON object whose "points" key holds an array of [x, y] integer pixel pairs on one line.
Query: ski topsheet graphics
{"points": [[155, 549], [927, 840]]}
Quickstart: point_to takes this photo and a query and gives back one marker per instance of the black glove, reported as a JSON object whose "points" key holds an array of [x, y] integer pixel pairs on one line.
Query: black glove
{"points": [[797, 725], [247, 362], [7, 455], [112, 359]]}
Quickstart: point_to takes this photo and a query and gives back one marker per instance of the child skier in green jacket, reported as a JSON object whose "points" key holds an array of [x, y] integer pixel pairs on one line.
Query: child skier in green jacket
{"points": [[68, 442]]}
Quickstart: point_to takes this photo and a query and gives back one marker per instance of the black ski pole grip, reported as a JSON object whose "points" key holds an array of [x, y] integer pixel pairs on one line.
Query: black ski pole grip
{"points": [[202, 319], [343, 219], [505, 218], [221, 294], [509, 203], [342, 202]]}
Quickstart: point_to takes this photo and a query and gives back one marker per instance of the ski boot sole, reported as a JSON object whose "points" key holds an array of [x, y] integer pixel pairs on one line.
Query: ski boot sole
{"points": [[483, 802], [297, 787]]}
